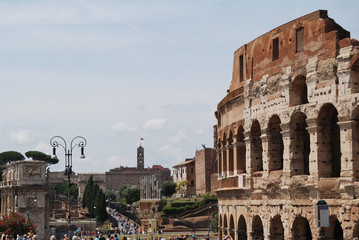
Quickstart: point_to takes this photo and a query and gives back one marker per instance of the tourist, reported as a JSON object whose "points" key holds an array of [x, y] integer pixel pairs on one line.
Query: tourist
{"points": [[52, 237]]}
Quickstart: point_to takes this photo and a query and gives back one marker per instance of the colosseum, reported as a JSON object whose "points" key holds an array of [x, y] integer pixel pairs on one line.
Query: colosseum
{"points": [[287, 134]]}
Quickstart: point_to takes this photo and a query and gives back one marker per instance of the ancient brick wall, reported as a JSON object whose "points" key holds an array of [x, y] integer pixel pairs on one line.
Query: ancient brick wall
{"points": [[287, 133]]}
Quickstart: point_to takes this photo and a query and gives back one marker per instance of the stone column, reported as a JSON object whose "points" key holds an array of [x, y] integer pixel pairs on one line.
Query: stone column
{"points": [[230, 162], [235, 156], [249, 168], [265, 153], [314, 151], [349, 165], [287, 136], [235, 217], [247, 141]]}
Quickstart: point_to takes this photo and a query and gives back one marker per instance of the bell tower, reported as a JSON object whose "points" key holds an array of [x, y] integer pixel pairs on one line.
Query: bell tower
{"points": [[140, 158]]}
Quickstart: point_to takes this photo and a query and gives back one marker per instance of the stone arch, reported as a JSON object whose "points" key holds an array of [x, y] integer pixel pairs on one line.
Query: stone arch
{"points": [[231, 226], [355, 143], [300, 144], [256, 147], [219, 154], [356, 231], [276, 228], [354, 74], [242, 228], [301, 229], [225, 225], [329, 156], [298, 91], [275, 144], [224, 155], [257, 228], [334, 231], [230, 153], [241, 151]]}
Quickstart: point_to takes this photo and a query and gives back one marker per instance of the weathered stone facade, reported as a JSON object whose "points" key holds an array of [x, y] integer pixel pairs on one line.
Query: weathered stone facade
{"points": [[287, 134], [24, 190]]}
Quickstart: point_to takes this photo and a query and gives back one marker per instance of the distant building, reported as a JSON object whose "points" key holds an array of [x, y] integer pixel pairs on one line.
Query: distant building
{"points": [[79, 179], [196, 171], [98, 178], [117, 177]]}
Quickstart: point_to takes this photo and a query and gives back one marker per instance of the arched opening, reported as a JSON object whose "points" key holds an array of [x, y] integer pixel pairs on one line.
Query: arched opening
{"points": [[257, 228], [219, 154], [275, 144], [230, 154], [256, 147], [301, 229], [242, 228], [220, 227], [355, 143], [224, 156], [225, 226], [354, 77], [276, 228], [334, 231], [241, 151], [300, 144], [299, 91], [356, 231], [231, 226], [329, 155]]}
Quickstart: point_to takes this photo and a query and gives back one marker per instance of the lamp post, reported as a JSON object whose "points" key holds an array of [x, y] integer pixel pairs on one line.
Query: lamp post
{"points": [[78, 141]]}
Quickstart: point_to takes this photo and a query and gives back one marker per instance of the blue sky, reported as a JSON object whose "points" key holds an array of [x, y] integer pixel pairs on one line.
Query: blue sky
{"points": [[116, 71]]}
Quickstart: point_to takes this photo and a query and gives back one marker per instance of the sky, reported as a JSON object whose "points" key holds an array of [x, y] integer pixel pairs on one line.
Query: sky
{"points": [[116, 71]]}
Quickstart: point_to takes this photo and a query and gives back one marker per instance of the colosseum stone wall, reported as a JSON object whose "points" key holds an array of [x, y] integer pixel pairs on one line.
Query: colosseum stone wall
{"points": [[287, 134]]}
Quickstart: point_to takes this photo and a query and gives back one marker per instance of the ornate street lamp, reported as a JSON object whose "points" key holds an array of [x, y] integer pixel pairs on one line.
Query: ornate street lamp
{"points": [[78, 141]]}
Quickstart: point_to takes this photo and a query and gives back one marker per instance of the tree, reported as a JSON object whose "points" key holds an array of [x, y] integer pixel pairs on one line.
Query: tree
{"points": [[36, 155], [214, 223], [101, 213], [130, 192], [63, 189], [110, 195], [10, 156], [86, 200], [168, 188]]}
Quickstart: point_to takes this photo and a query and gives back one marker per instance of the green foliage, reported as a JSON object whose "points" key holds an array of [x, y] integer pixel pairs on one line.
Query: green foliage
{"points": [[122, 201], [10, 156], [181, 184], [63, 189], [36, 155], [16, 224], [110, 195], [214, 223], [101, 215], [86, 199], [168, 188], [130, 192], [174, 210], [95, 201]]}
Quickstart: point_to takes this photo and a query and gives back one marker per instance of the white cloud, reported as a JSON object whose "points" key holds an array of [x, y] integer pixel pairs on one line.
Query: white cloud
{"points": [[44, 147], [178, 137], [155, 124], [115, 161], [122, 127], [22, 136], [171, 151], [200, 131]]}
